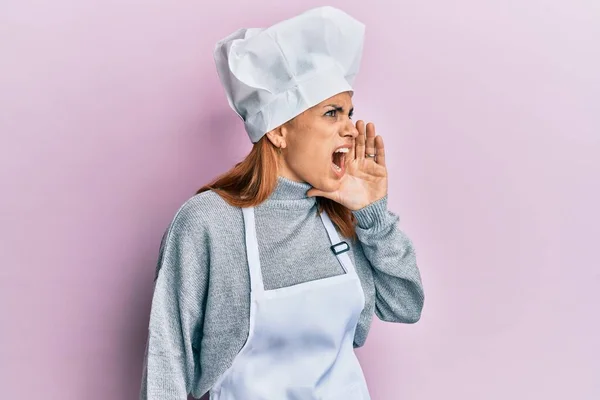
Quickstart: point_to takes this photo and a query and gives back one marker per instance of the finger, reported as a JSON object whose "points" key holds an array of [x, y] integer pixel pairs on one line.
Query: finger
{"points": [[370, 139], [380, 151], [360, 140]]}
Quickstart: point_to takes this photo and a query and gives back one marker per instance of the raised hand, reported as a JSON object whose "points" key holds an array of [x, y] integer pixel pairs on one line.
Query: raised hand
{"points": [[365, 179]]}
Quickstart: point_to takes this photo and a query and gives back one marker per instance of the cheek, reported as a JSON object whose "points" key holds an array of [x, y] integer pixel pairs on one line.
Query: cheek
{"points": [[312, 145], [313, 153], [303, 144], [318, 151]]}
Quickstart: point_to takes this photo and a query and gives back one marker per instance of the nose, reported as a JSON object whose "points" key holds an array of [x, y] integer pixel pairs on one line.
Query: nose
{"points": [[349, 129]]}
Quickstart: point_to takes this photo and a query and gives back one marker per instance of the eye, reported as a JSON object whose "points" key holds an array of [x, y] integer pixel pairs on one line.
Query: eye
{"points": [[333, 113]]}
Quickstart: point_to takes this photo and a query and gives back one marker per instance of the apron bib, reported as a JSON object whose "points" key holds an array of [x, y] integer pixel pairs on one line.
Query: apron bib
{"points": [[300, 341]]}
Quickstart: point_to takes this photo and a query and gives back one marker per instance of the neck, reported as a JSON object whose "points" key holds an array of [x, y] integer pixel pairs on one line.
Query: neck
{"points": [[290, 194]]}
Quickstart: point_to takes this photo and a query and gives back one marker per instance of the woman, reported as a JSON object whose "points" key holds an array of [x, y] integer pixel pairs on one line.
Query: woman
{"points": [[269, 276]]}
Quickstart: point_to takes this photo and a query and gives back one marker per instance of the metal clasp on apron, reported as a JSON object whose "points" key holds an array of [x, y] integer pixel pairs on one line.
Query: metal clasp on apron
{"points": [[342, 243]]}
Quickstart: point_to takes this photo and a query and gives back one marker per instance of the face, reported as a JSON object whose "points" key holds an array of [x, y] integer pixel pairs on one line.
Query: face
{"points": [[314, 144]]}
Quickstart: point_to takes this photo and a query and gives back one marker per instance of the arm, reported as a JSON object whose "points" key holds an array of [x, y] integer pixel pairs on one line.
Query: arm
{"points": [[175, 328], [398, 288]]}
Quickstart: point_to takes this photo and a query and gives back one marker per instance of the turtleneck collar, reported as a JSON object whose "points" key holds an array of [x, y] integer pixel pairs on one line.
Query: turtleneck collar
{"points": [[290, 194]]}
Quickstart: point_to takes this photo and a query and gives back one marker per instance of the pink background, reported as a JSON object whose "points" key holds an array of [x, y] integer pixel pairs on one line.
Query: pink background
{"points": [[111, 115]]}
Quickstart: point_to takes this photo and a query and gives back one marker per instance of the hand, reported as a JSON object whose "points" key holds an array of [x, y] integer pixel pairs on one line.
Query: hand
{"points": [[365, 179]]}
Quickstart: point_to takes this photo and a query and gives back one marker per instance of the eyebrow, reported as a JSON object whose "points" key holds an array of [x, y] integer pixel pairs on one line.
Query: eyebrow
{"points": [[340, 108]]}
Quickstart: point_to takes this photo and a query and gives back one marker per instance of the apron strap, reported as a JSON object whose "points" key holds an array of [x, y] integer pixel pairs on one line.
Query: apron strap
{"points": [[256, 280], [340, 248]]}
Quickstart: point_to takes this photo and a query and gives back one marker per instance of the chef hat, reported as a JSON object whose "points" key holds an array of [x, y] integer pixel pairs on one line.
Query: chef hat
{"points": [[273, 74]]}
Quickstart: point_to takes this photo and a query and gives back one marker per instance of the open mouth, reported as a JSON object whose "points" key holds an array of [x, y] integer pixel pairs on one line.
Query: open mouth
{"points": [[338, 161]]}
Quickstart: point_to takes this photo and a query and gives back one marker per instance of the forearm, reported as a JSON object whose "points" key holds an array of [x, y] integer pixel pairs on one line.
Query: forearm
{"points": [[399, 291]]}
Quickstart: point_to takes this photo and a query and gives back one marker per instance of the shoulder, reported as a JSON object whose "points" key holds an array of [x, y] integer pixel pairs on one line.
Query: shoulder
{"points": [[201, 212], [191, 230]]}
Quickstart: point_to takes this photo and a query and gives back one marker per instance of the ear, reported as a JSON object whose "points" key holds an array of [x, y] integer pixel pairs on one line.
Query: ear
{"points": [[277, 136]]}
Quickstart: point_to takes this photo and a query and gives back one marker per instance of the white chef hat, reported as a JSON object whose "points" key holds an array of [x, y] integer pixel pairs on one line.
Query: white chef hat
{"points": [[273, 74]]}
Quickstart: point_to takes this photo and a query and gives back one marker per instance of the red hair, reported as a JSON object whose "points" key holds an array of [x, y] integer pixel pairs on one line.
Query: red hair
{"points": [[251, 181]]}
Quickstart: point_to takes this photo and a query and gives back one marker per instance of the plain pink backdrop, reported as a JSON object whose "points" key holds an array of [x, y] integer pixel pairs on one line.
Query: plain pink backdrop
{"points": [[111, 116]]}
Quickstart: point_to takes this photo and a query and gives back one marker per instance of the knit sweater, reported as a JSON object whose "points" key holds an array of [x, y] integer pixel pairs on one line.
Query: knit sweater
{"points": [[199, 318]]}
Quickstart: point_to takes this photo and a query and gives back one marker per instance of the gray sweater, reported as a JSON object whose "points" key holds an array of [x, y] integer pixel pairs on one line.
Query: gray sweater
{"points": [[199, 318]]}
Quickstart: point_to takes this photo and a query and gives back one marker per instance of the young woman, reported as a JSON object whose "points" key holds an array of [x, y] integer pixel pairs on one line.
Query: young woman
{"points": [[269, 276]]}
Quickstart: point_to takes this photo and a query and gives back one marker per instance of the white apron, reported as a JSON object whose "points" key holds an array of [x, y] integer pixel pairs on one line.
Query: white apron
{"points": [[299, 345]]}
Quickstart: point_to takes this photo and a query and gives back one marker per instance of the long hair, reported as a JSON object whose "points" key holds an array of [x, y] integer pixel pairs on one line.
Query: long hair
{"points": [[251, 181]]}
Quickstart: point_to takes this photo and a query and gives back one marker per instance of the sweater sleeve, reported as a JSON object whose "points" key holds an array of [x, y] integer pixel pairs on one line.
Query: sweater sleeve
{"points": [[171, 365], [398, 289]]}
